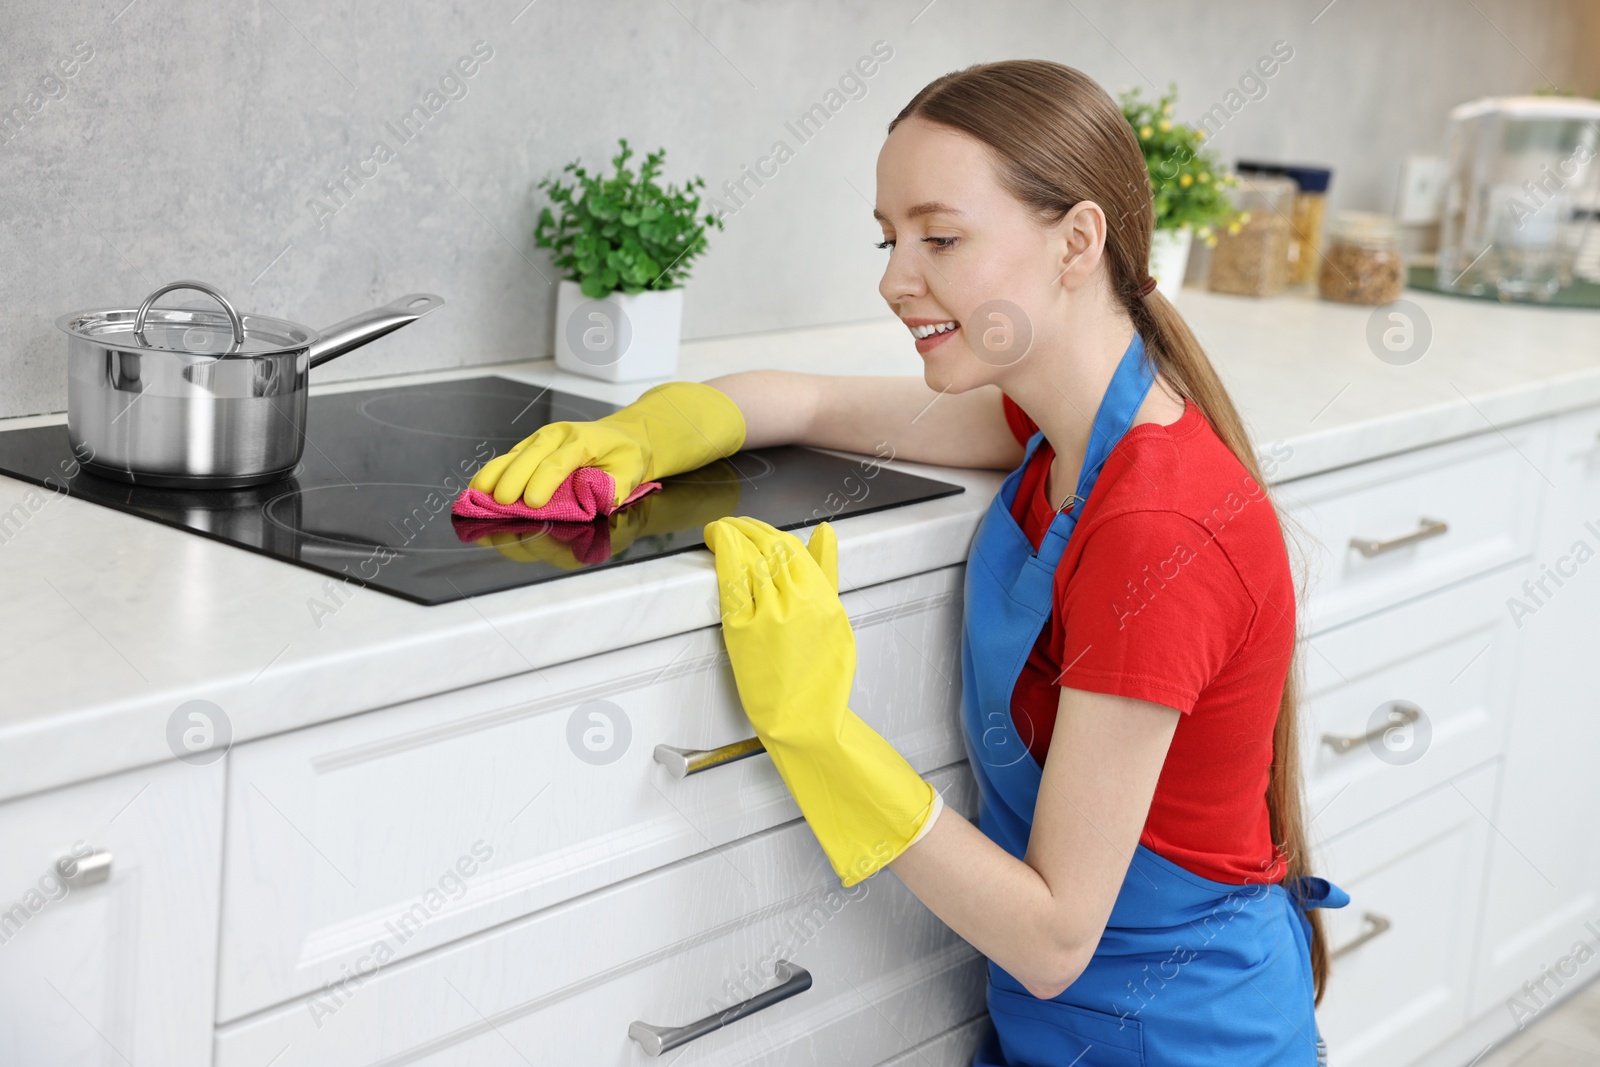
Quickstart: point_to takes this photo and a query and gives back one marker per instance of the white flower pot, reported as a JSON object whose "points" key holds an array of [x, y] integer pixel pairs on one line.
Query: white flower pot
{"points": [[1169, 259], [620, 337]]}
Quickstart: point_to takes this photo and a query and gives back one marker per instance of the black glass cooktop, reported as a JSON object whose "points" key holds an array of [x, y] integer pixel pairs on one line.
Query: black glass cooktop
{"points": [[370, 500]]}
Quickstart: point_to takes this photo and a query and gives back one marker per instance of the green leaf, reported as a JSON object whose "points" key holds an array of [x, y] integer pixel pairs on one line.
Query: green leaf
{"points": [[615, 229]]}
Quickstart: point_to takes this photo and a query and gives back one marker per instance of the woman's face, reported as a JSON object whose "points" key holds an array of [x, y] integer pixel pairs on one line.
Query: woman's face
{"points": [[966, 255]]}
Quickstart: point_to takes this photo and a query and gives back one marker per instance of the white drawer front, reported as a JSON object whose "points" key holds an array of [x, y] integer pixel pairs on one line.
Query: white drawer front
{"points": [[1484, 491], [1451, 655], [953, 1048], [430, 821], [668, 947], [120, 970], [1415, 875]]}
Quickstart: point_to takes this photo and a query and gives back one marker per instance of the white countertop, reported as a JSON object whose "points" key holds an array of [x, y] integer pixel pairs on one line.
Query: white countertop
{"points": [[112, 621]]}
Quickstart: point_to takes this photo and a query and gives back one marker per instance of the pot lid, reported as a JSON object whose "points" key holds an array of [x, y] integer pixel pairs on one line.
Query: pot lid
{"points": [[196, 331]]}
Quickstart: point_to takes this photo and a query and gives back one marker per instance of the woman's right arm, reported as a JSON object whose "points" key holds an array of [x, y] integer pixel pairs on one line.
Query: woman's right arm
{"points": [[898, 416]]}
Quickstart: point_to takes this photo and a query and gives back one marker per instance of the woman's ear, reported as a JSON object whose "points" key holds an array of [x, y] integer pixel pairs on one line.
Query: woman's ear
{"points": [[1081, 237]]}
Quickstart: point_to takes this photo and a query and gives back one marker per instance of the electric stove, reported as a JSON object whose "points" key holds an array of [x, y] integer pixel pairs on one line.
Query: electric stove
{"points": [[370, 500]]}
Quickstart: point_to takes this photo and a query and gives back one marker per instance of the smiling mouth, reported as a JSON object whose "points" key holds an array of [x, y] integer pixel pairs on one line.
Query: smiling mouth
{"points": [[919, 332]]}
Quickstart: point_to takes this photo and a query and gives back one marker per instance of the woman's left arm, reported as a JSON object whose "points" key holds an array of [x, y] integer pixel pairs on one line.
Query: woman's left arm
{"points": [[1041, 918]]}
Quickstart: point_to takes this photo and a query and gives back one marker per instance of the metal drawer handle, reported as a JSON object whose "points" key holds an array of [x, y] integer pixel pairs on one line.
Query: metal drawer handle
{"points": [[658, 1039], [1426, 528], [1377, 925], [1401, 714], [90, 870], [682, 762]]}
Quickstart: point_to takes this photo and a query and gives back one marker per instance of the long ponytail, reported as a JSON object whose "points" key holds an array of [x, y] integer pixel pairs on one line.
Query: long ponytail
{"points": [[1184, 364], [1059, 139]]}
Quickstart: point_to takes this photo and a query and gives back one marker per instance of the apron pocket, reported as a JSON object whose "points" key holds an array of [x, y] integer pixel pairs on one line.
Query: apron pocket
{"points": [[1048, 1033]]}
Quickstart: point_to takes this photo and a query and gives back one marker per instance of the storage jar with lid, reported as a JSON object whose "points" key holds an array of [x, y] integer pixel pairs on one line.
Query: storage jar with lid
{"points": [[1251, 257], [1310, 207], [1362, 263], [1310, 203]]}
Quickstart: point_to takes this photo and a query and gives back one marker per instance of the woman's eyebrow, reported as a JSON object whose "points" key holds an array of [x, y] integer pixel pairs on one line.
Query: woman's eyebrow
{"points": [[931, 207]]}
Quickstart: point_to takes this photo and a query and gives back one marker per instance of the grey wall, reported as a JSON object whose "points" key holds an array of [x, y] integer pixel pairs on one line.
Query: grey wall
{"points": [[193, 140]]}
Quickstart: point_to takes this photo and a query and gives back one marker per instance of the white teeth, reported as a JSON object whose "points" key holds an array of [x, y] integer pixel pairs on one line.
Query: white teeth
{"points": [[919, 332]]}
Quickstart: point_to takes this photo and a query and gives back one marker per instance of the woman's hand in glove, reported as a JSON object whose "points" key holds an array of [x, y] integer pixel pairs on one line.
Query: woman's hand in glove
{"points": [[794, 660], [672, 428]]}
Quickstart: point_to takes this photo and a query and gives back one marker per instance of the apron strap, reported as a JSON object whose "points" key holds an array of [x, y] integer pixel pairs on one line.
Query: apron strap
{"points": [[1124, 396], [1308, 891]]}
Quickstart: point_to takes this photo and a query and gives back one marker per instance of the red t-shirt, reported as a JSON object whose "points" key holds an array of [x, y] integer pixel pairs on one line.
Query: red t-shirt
{"points": [[1175, 588]]}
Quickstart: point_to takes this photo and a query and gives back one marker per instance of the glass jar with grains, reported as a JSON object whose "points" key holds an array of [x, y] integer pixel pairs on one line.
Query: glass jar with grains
{"points": [[1251, 257], [1310, 205], [1310, 201], [1361, 261]]}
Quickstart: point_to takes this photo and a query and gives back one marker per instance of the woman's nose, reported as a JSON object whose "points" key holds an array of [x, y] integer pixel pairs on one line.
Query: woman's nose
{"points": [[902, 278]]}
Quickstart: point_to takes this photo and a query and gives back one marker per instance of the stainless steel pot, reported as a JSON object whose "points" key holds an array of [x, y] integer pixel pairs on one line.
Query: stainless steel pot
{"points": [[195, 398]]}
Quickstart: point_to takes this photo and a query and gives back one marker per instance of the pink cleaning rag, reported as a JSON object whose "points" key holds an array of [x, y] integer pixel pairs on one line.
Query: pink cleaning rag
{"points": [[590, 542], [588, 493]]}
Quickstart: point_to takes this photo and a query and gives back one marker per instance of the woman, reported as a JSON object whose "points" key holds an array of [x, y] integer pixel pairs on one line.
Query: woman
{"points": [[1138, 876]]}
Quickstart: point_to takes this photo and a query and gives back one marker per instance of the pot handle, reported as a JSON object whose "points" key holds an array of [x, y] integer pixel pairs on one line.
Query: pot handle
{"points": [[199, 287], [357, 330]]}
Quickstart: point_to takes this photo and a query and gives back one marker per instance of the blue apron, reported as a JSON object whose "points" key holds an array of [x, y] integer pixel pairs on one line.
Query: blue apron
{"points": [[1189, 971]]}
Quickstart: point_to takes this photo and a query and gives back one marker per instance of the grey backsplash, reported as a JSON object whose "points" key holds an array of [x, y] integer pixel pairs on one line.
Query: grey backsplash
{"points": [[199, 140]]}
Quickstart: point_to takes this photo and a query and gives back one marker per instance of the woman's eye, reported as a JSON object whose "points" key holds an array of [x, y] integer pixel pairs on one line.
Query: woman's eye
{"points": [[887, 242], [941, 242]]}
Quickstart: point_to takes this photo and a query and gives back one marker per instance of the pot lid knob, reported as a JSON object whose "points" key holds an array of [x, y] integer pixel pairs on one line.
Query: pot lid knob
{"points": [[199, 287]]}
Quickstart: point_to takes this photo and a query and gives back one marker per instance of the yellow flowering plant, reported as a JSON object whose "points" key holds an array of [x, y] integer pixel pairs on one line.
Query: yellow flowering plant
{"points": [[1186, 181]]}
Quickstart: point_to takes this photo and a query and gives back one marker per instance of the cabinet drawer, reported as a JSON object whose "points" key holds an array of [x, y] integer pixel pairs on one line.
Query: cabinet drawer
{"points": [[115, 966], [1450, 656], [667, 947], [953, 1048], [1403, 945], [450, 815], [1428, 518]]}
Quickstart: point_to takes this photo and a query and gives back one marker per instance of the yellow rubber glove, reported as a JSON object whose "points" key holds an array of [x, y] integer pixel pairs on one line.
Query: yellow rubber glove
{"points": [[672, 428], [794, 658]]}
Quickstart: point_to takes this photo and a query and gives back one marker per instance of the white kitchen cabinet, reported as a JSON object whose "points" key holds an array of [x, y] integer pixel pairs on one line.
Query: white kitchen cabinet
{"points": [[1402, 947], [424, 823], [667, 947], [564, 895], [1447, 657], [953, 1048], [1544, 869], [121, 969], [1379, 533]]}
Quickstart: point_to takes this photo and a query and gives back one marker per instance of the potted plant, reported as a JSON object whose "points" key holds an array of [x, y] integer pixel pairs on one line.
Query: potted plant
{"points": [[1187, 184], [625, 244]]}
